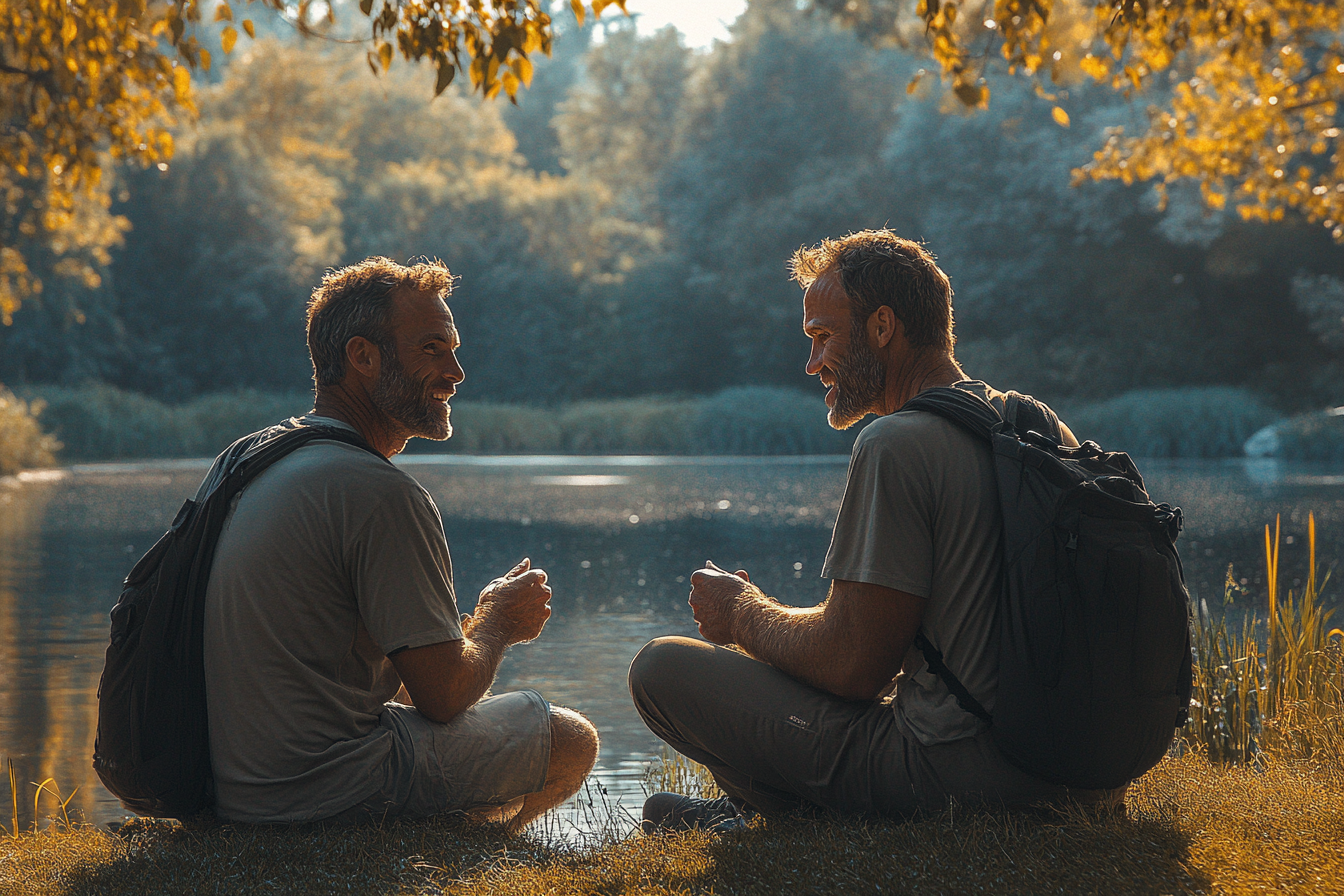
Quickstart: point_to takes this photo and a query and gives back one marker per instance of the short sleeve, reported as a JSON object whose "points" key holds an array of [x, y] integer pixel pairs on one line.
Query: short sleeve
{"points": [[884, 531], [402, 573]]}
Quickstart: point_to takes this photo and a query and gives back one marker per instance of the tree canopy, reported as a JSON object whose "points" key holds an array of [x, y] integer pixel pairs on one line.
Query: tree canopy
{"points": [[623, 229], [85, 80], [1243, 94]]}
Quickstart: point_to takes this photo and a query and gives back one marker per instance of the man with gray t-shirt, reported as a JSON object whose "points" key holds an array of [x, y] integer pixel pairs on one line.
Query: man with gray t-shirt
{"points": [[833, 706], [341, 682]]}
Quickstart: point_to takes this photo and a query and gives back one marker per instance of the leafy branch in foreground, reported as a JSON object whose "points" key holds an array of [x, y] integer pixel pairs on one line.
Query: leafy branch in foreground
{"points": [[1246, 94], [82, 81]]}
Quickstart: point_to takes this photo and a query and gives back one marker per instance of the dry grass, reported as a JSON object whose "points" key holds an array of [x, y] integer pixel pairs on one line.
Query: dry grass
{"points": [[1192, 827]]}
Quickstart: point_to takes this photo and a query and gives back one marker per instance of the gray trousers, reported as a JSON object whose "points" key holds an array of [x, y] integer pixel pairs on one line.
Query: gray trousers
{"points": [[775, 744]]}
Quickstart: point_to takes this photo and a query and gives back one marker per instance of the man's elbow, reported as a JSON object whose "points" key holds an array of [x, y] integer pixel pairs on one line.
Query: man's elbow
{"points": [[860, 683], [440, 710]]}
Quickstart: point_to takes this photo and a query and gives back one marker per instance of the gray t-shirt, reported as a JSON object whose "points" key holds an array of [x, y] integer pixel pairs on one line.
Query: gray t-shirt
{"points": [[920, 515], [330, 560]]}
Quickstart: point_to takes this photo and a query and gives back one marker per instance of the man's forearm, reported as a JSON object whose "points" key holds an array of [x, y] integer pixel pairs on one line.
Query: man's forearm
{"points": [[482, 652], [791, 639], [847, 648]]}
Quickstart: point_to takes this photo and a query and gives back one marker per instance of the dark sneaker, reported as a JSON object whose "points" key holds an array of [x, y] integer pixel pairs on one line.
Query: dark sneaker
{"points": [[675, 812]]}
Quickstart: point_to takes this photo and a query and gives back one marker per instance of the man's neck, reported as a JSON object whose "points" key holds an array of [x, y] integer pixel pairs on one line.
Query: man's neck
{"points": [[916, 373], [355, 409]]}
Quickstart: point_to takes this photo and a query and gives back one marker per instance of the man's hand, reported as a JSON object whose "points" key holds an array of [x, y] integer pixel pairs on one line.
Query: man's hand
{"points": [[715, 597], [517, 604], [444, 679]]}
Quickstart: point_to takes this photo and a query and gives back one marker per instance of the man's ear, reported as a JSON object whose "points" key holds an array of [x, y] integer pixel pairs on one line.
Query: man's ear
{"points": [[363, 357], [883, 326]]}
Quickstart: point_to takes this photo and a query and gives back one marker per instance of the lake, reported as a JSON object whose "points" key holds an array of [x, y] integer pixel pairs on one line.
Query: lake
{"points": [[618, 536]]}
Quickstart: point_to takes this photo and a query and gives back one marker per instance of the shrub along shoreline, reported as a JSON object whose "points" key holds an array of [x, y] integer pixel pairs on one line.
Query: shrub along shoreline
{"points": [[100, 422]]}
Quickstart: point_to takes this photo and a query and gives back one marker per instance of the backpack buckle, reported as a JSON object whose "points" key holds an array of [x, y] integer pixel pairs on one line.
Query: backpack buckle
{"points": [[1170, 518], [1032, 437]]}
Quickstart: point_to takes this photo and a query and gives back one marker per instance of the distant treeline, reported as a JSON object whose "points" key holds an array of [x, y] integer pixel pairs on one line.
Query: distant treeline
{"points": [[622, 232]]}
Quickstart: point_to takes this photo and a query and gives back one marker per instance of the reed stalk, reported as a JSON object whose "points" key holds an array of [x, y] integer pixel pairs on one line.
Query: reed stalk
{"points": [[1275, 691]]}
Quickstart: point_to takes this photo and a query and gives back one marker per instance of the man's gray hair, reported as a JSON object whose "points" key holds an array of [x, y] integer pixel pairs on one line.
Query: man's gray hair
{"points": [[357, 301], [877, 268]]}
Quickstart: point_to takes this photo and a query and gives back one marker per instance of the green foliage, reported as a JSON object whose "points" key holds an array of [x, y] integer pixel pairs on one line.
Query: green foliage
{"points": [[738, 421], [101, 422], [1191, 422], [760, 420], [23, 444]]}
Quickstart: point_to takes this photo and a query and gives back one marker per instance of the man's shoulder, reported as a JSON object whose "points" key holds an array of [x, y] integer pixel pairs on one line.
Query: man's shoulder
{"points": [[345, 466], [904, 428]]}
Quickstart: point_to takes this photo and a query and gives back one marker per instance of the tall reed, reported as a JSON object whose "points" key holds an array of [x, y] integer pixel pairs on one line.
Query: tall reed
{"points": [[1274, 688]]}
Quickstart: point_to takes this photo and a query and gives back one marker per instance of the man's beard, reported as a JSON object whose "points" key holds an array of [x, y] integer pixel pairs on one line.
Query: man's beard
{"points": [[408, 403], [860, 381]]}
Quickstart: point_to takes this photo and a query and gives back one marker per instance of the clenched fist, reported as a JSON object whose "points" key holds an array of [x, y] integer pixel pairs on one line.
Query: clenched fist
{"points": [[517, 603], [715, 596]]}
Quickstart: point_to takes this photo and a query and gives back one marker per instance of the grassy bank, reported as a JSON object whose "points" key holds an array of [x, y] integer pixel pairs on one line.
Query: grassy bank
{"points": [[1191, 827]]}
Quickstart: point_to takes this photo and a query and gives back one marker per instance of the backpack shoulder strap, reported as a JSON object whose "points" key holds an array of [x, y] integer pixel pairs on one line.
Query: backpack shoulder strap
{"points": [[969, 410], [248, 457], [965, 699], [252, 462]]}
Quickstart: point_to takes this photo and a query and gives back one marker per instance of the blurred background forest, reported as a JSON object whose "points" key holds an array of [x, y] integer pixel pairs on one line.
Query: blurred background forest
{"points": [[620, 235]]}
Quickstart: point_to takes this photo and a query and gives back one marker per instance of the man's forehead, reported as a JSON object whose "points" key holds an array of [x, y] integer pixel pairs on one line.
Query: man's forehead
{"points": [[825, 298], [419, 306]]}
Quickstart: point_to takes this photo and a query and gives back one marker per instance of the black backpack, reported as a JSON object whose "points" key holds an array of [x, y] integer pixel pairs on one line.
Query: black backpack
{"points": [[1094, 622], [152, 749]]}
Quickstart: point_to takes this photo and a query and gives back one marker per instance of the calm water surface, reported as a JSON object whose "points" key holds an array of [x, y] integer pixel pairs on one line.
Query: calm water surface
{"points": [[618, 536]]}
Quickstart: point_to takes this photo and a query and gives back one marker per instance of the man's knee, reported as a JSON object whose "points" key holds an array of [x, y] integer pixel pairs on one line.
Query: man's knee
{"points": [[659, 661], [574, 742]]}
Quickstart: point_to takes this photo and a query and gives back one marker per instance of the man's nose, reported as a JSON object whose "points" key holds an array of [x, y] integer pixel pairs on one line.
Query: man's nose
{"points": [[814, 364], [455, 374]]}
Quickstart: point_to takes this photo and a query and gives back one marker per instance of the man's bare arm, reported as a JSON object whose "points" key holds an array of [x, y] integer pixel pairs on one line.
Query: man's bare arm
{"points": [[852, 645], [446, 678]]}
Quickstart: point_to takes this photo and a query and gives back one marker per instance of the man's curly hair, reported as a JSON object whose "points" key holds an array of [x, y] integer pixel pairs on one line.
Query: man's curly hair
{"points": [[877, 268], [357, 301]]}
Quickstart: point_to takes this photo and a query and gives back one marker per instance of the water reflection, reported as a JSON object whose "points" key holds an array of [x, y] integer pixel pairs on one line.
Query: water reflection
{"points": [[618, 536], [618, 548]]}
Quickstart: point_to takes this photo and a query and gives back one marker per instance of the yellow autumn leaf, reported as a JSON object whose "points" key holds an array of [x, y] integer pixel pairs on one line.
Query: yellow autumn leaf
{"points": [[1095, 66], [69, 30], [249, 28], [181, 80], [223, 13], [1060, 116], [227, 38], [577, 6], [385, 55], [522, 67]]}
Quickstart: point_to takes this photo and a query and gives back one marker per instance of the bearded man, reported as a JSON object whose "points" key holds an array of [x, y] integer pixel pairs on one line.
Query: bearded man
{"points": [[341, 682], [833, 706]]}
